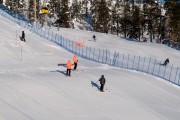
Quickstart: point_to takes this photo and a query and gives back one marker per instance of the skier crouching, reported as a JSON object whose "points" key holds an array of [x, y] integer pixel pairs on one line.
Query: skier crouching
{"points": [[166, 62]]}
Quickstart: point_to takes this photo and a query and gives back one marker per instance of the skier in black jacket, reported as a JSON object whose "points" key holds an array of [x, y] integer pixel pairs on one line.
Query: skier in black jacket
{"points": [[102, 82], [23, 36], [166, 62], [94, 37]]}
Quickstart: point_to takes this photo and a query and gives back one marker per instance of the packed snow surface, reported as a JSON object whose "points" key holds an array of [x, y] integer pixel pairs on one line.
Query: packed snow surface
{"points": [[33, 87]]}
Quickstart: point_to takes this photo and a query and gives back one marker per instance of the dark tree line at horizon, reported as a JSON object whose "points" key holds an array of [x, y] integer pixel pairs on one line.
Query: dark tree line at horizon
{"points": [[116, 16]]}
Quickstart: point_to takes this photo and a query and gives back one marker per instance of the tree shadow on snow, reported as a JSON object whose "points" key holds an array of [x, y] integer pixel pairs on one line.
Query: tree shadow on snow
{"points": [[95, 85]]}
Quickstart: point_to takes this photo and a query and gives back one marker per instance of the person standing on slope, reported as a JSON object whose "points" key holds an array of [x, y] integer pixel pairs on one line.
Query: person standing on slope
{"points": [[23, 36], [68, 66], [94, 37], [75, 61], [102, 82]]}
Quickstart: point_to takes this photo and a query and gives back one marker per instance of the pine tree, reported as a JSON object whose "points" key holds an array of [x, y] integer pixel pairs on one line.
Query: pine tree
{"points": [[116, 15], [112, 5], [135, 23], [85, 7], [101, 17], [75, 9], [173, 15], [153, 16], [31, 10], [22, 5], [125, 19], [65, 13], [13, 4], [54, 7]]}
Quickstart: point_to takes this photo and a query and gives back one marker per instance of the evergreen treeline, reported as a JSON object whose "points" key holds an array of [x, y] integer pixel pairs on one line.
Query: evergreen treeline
{"points": [[131, 19]]}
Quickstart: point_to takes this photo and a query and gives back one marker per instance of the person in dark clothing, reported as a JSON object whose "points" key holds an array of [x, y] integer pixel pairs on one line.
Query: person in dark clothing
{"points": [[166, 62], [75, 61], [94, 37], [102, 82], [59, 22], [23, 36]]}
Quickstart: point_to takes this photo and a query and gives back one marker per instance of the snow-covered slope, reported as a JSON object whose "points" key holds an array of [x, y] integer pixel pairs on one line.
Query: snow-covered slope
{"points": [[33, 87], [123, 46]]}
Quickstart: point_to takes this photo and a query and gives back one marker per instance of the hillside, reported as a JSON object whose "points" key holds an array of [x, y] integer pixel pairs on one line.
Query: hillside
{"points": [[33, 87]]}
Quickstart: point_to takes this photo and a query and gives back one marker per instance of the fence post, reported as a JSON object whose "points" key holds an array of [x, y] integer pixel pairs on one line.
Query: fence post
{"points": [[63, 42], [133, 62], [99, 55], [83, 51], [87, 49], [117, 59], [69, 46], [154, 67], [164, 72], [159, 69], [179, 79], [44, 34], [128, 62], [138, 63], [113, 62], [89, 52], [76, 48], [102, 57], [122, 60], [170, 72], [93, 53], [109, 58], [176, 75], [86, 52], [55, 38], [72, 46], [143, 64], [48, 34], [148, 65], [66, 43], [106, 56]]}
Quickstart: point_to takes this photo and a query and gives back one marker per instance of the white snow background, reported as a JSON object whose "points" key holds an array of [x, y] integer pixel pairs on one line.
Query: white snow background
{"points": [[33, 87]]}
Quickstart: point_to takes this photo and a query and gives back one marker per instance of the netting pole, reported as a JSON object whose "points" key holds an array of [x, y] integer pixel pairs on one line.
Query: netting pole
{"points": [[148, 65], [128, 62], [176, 74], [170, 72], [143, 63], [138, 63], [133, 62], [154, 66]]}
